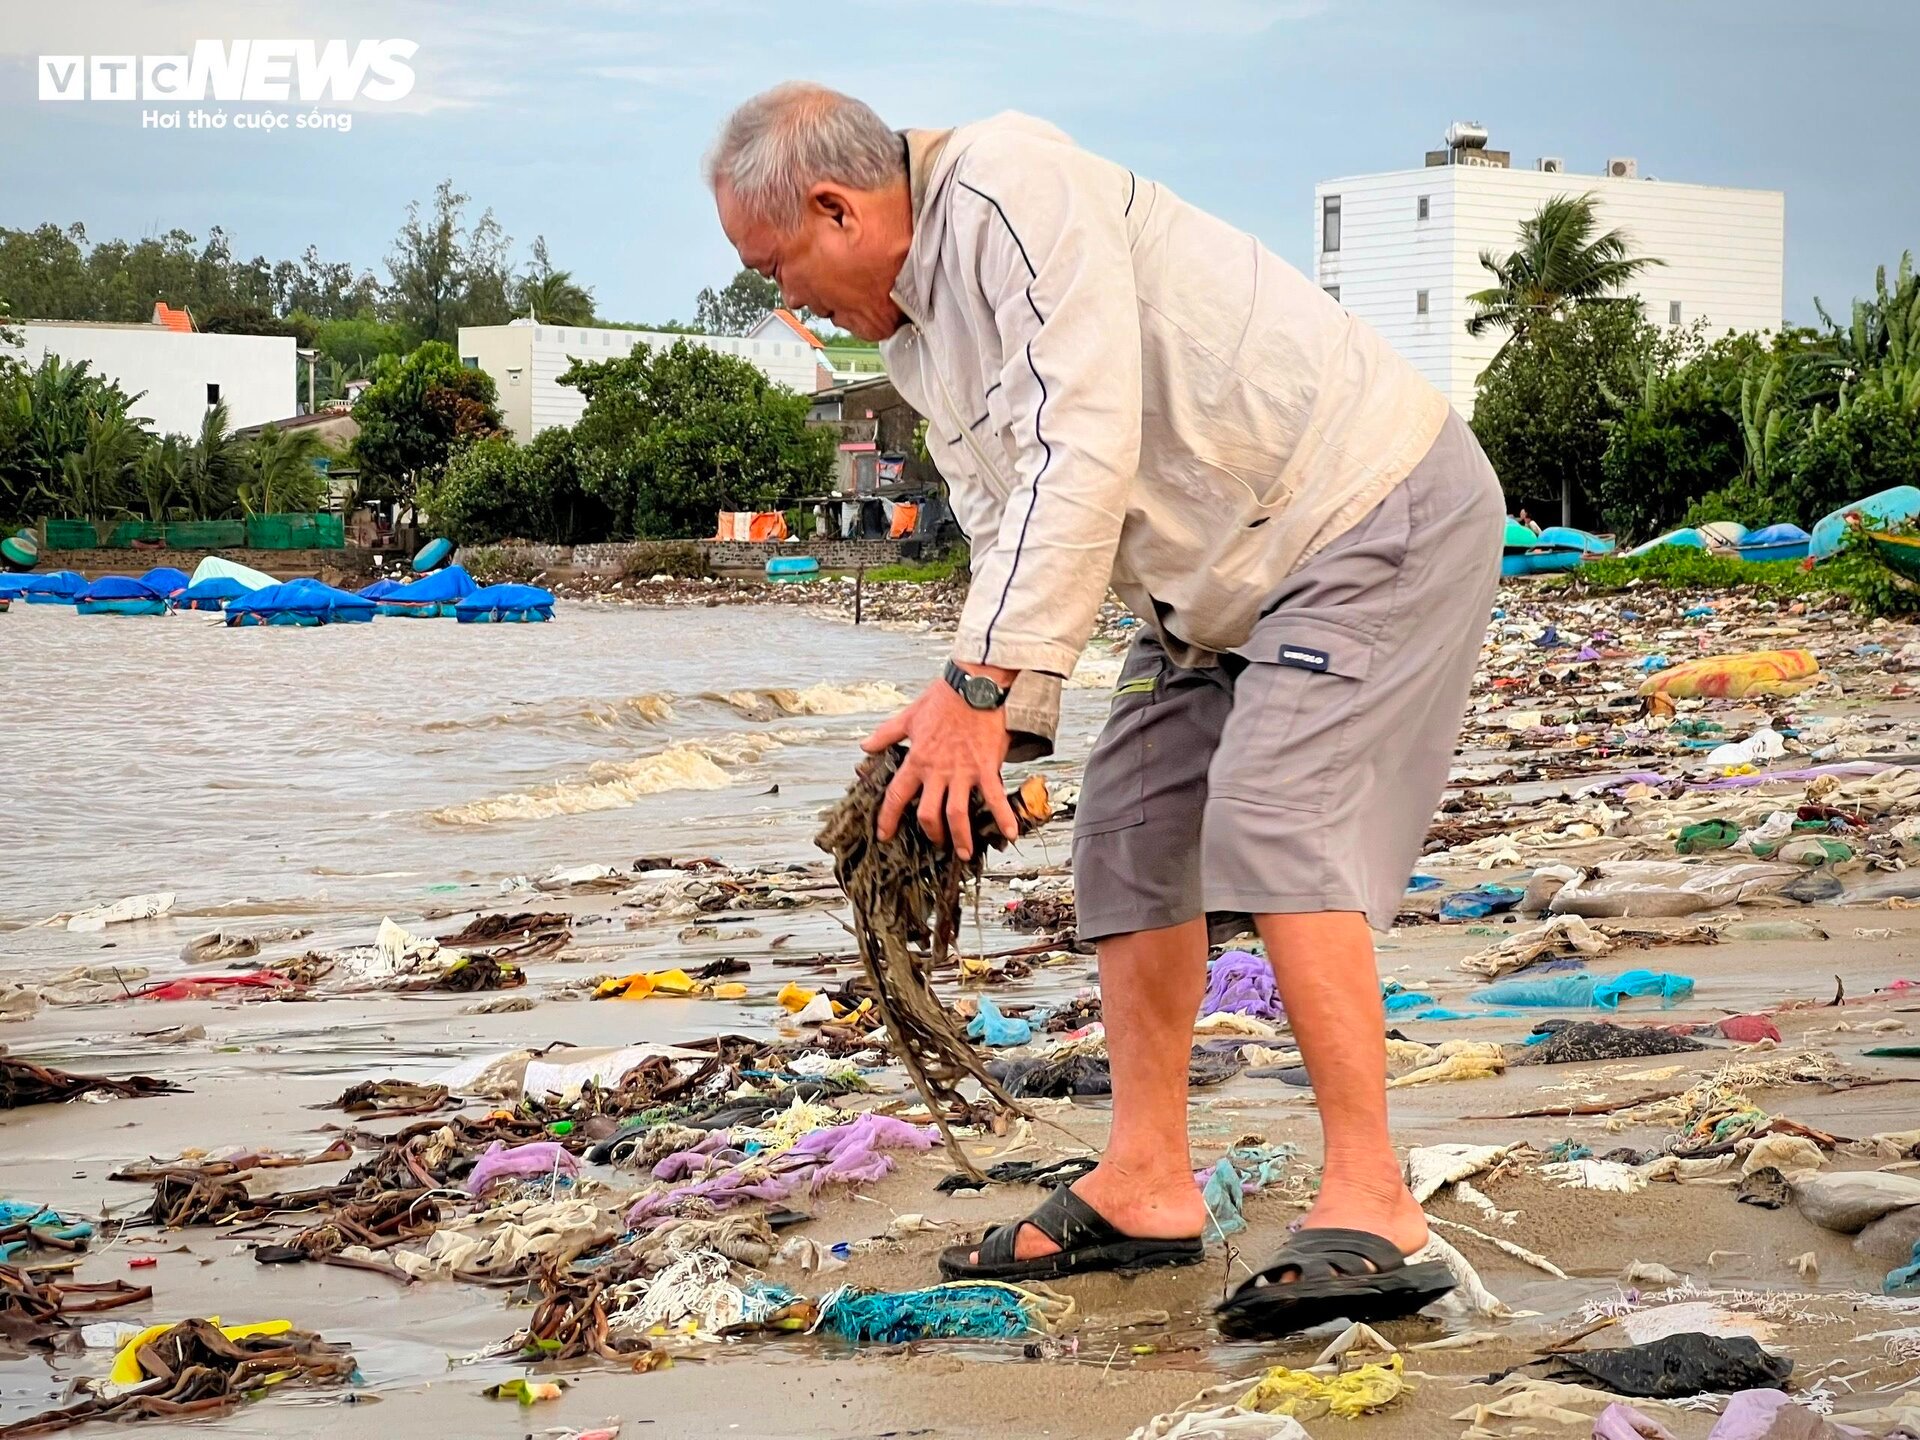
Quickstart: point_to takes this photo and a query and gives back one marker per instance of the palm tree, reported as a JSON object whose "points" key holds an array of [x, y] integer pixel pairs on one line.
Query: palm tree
{"points": [[280, 475], [552, 295], [214, 467], [97, 477], [160, 476], [1561, 262]]}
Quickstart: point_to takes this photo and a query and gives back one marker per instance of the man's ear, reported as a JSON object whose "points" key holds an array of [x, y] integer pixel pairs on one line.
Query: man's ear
{"points": [[831, 202]]}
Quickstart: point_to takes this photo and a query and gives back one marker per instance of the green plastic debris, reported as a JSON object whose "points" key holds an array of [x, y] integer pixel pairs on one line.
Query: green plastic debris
{"points": [[1707, 835]]}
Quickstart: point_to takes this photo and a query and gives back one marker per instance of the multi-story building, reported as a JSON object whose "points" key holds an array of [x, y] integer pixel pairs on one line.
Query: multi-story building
{"points": [[1401, 249], [526, 360], [175, 372]]}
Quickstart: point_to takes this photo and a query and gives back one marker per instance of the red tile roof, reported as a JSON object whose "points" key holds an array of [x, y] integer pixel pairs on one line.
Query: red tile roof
{"points": [[165, 314], [799, 328]]}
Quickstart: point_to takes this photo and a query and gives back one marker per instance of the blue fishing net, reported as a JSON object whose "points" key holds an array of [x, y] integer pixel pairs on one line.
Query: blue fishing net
{"points": [[961, 1311]]}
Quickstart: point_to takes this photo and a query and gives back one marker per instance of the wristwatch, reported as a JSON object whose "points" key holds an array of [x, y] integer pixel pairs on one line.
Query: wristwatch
{"points": [[982, 692]]}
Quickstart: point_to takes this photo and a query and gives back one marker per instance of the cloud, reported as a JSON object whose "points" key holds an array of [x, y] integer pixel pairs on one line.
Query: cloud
{"points": [[1200, 17]]}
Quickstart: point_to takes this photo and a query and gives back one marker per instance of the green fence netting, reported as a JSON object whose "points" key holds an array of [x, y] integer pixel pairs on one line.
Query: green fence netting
{"points": [[296, 532]]}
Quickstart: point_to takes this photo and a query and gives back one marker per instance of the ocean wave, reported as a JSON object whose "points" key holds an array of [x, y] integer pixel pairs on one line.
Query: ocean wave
{"points": [[617, 784], [625, 713], [859, 697]]}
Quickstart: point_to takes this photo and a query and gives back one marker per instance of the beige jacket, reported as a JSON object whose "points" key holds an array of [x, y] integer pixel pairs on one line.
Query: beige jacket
{"points": [[1121, 389]]}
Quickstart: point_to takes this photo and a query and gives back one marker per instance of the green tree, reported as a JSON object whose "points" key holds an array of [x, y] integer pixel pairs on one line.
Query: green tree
{"points": [[279, 476], [551, 295], [1543, 403], [443, 273], [737, 306], [160, 478], [97, 478], [414, 415], [215, 464], [1562, 262], [48, 414], [670, 438], [494, 490], [235, 317]]}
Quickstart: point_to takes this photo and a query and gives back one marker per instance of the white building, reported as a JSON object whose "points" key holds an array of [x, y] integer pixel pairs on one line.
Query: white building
{"points": [[175, 372], [1401, 249], [526, 361]]}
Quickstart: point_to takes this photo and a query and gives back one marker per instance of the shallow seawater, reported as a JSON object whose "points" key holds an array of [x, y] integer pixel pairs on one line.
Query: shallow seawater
{"points": [[325, 776]]}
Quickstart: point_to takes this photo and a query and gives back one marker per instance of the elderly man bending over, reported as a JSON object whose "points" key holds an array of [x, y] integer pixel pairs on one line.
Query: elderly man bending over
{"points": [[1122, 390]]}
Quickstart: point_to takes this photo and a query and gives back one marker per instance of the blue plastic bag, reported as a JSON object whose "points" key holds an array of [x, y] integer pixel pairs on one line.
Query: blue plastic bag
{"points": [[1586, 992], [996, 1029], [1480, 901]]}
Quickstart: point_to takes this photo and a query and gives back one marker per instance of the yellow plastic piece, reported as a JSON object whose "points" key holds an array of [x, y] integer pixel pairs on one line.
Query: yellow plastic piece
{"points": [[1729, 677], [795, 997], [126, 1364], [1305, 1396]]}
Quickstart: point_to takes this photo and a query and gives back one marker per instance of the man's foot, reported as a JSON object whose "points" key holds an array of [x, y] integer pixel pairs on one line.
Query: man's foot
{"points": [[1165, 1205], [1390, 1212]]}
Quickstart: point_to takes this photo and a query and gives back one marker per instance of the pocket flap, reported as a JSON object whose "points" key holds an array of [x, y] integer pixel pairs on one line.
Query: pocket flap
{"points": [[1312, 644]]}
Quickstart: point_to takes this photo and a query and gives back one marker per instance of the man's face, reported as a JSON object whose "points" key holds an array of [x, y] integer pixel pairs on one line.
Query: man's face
{"points": [[833, 263]]}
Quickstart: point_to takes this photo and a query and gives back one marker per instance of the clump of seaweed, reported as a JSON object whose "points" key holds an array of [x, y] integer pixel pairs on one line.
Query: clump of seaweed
{"points": [[906, 916]]}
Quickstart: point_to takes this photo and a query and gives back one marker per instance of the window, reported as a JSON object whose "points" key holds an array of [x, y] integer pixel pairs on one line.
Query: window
{"points": [[1419, 302], [606, 339], [1423, 209], [1330, 223], [1332, 290], [213, 393], [470, 362], [1673, 312]]}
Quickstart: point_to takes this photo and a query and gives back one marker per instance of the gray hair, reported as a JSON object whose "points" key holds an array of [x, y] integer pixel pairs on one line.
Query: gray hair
{"points": [[780, 144]]}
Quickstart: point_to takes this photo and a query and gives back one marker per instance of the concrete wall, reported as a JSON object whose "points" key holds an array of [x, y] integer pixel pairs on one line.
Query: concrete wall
{"points": [[638, 556], [281, 564], [1725, 253], [255, 373]]}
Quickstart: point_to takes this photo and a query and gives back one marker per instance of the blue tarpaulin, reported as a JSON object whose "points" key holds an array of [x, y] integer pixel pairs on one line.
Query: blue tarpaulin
{"points": [[379, 589], [452, 583], [505, 603], [297, 602], [212, 593], [164, 579], [57, 587], [118, 587]]}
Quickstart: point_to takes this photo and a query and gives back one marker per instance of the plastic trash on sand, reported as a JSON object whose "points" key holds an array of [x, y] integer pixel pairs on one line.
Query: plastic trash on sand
{"points": [[1680, 1365], [1224, 1196], [1730, 677], [126, 1365], [1239, 983], [1664, 888], [1220, 1422], [1576, 992], [992, 1028], [960, 1310], [1850, 1201], [1775, 1415], [1764, 744], [541, 1157], [1306, 1396], [1480, 902]]}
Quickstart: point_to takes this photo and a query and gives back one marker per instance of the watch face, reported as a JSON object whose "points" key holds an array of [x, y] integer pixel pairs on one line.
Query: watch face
{"points": [[982, 693]]}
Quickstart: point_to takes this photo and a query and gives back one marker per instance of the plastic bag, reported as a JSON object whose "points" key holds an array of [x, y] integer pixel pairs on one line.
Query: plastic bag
{"points": [[1681, 1365], [995, 1029], [1664, 888], [1729, 677]]}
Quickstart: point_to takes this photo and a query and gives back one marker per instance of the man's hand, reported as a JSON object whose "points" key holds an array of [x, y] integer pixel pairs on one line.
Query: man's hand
{"points": [[953, 750]]}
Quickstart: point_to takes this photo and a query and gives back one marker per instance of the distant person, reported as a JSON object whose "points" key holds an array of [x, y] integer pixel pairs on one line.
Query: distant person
{"points": [[1527, 520], [1122, 390]]}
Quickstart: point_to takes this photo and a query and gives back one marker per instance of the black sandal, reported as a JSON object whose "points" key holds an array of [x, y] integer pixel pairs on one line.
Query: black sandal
{"points": [[1087, 1243], [1337, 1275]]}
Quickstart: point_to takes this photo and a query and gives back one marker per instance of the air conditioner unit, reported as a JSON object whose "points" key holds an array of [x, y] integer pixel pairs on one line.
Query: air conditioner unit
{"points": [[1623, 167], [1551, 165]]}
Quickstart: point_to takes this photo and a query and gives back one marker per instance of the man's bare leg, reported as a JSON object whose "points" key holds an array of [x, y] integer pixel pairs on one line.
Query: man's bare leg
{"points": [[1150, 988], [1324, 966]]}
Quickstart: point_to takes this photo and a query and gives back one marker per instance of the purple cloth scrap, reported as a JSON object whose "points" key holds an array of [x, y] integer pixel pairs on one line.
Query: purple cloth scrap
{"points": [[541, 1157], [839, 1154], [1241, 984]]}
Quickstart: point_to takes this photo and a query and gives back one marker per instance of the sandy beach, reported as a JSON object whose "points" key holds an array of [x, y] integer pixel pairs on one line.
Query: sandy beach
{"points": [[432, 806]]}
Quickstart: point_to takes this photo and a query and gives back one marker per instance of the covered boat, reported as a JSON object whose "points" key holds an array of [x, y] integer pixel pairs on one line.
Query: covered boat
{"points": [[1561, 537], [219, 565], [213, 593], [21, 551], [792, 567], [379, 589], [120, 595], [1774, 542], [1898, 506], [57, 587], [165, 581], [432, 555], [1900, 552], [430, 595], [299, 602], [1723, 535], [502, 604], [1687, 539], [1525, 553]]}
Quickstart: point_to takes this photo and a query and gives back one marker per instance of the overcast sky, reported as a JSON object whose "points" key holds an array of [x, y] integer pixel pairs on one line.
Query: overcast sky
{"points": [[584, 120]]}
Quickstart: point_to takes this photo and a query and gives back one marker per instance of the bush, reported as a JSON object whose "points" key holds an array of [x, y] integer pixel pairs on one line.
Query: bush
{"points": [[1854, 577], [951, 566], [500, 565], [683, 560]]}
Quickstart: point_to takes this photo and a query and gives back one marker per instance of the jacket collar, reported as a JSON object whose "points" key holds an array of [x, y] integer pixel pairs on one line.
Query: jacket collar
{"points": [[925, 151]]}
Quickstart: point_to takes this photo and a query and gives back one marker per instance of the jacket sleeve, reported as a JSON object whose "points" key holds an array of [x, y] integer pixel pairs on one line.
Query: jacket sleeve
{"points": [[1045, 235]]}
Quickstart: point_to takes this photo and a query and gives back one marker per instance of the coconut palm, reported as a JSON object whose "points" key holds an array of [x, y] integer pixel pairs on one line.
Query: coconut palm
{"points": [[160, 476], [1562, 261], [552, 295], [214, 467], [280, 477]]}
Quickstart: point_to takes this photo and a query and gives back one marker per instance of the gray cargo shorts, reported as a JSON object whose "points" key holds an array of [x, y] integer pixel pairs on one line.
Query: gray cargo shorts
{"points": [[1300, 774]]}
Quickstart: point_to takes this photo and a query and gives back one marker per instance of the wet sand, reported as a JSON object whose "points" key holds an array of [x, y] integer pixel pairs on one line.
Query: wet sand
{"points": [[1133, 1348]]}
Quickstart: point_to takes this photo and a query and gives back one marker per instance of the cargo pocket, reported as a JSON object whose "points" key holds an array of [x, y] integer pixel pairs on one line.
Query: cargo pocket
{"points": [[1287, 739], [1113, 789]]}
